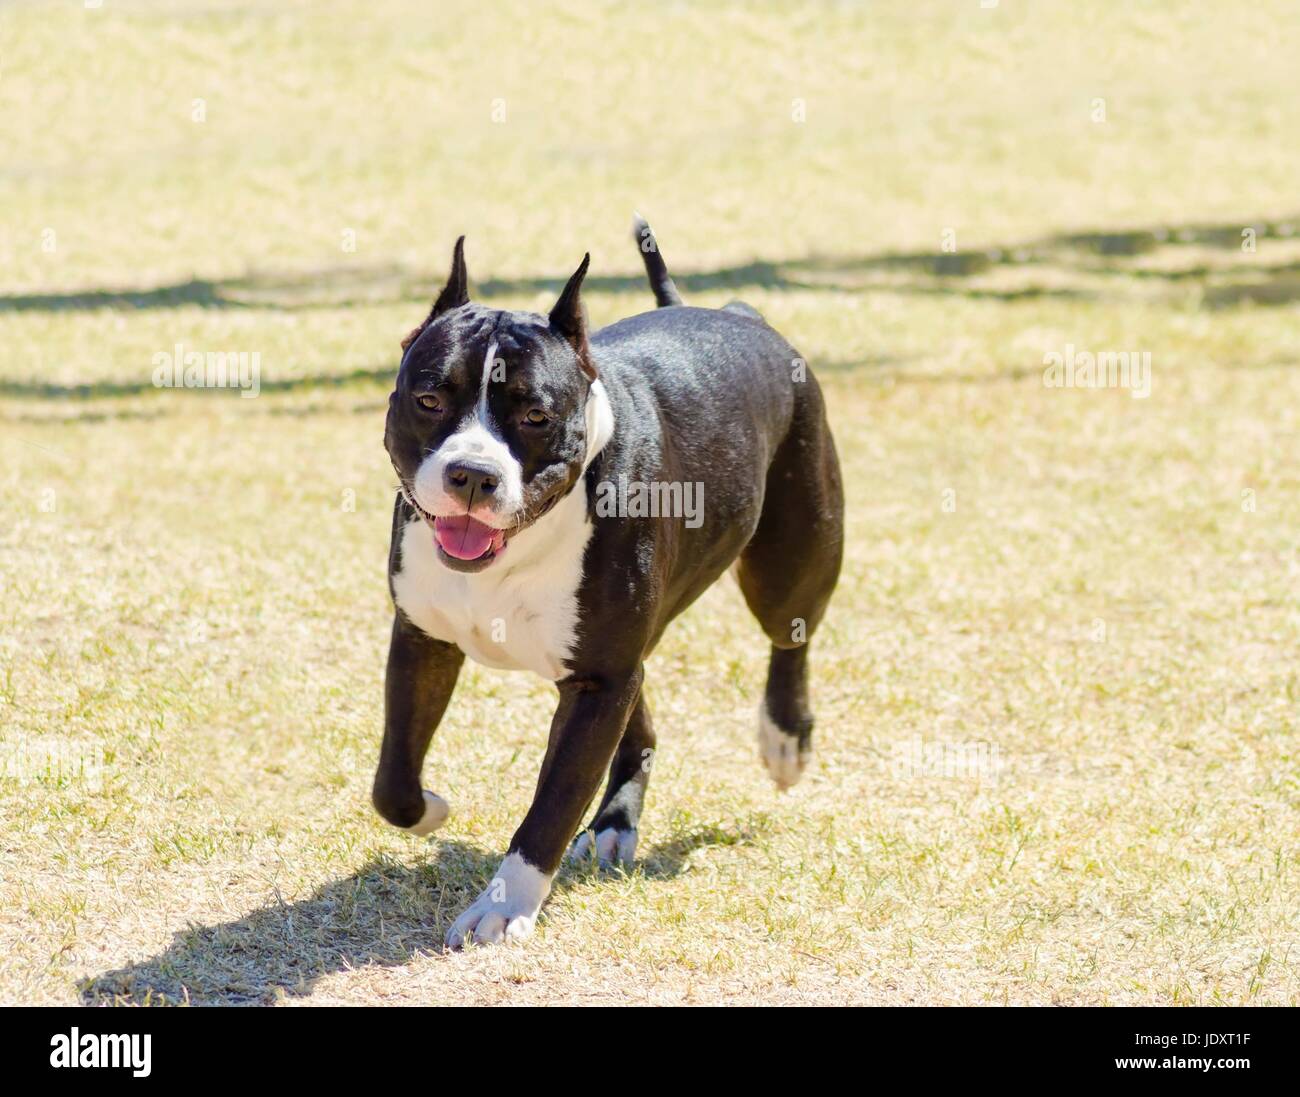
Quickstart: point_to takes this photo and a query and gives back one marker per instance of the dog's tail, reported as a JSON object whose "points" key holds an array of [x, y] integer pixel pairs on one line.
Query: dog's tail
{"points": [[665, 292]]}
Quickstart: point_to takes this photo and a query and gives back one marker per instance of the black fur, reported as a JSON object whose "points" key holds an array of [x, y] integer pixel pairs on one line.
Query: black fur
{"points": [[656, 269], [706, 396]]}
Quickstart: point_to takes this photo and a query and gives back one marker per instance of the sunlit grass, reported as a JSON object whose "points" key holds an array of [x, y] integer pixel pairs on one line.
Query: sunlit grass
{"points": [[1100, 588]]}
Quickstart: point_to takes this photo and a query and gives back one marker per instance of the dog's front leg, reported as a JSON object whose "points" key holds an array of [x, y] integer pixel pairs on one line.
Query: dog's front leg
{"points": [[417, 686], [588, 724]]}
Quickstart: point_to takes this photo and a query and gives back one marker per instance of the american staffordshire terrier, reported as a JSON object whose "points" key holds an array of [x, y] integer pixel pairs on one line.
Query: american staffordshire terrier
{"points": [[542, 523]]}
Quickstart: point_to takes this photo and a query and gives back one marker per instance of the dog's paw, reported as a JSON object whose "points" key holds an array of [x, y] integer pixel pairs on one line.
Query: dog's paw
{"points": [[436, 810], [610, 847], [782, 754], [507, 908]]}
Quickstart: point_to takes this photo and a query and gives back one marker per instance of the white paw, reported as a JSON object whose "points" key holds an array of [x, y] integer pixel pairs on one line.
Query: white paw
{"points": [[612, 847], [436, 810], [781, 753], [507, 908]]}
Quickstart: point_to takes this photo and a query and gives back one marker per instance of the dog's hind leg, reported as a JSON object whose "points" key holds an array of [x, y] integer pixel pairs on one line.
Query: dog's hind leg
{"points": [[612, 832], [787, 573]]}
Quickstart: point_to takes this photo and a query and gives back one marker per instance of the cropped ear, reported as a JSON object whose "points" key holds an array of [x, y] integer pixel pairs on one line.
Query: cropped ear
{"points": [[568, 320], [454, 294]]}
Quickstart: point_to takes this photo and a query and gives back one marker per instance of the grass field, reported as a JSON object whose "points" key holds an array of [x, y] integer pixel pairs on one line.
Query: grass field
{"points": [[1093, 594]]}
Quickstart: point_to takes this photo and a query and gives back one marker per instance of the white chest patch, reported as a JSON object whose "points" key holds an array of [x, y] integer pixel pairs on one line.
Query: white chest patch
{"points": [[519, 614]]}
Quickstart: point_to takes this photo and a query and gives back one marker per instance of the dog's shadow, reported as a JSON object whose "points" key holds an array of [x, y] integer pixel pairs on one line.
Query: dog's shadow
{"points": [[384, 915]]}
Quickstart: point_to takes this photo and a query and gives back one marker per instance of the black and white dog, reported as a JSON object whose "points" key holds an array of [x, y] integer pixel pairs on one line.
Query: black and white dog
{"points": [[508, 430]]}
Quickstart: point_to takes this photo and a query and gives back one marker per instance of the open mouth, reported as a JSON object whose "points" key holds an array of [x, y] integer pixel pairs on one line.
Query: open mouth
{"points": [[464, 543], [466, 538]]}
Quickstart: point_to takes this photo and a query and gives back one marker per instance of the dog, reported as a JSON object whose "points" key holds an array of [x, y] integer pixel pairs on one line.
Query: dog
{"points": [[516, 541]]}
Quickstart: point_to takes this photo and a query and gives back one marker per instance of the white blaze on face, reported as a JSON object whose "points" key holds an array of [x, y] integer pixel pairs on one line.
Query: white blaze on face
{"points": [[476, 440]]}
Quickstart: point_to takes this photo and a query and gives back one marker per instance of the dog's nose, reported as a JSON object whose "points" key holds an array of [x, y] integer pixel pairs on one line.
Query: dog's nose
{"points": [[467, 480]]}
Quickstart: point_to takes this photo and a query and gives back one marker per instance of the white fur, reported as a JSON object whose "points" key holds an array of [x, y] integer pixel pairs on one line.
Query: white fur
{"points": [[613, 847], [506, 909], [780, 751], [600, 421], [436, 810], [520, 613]]}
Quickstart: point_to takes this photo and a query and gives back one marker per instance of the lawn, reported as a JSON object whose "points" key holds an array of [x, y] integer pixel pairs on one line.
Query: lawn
{"points": [[1058, 691]]}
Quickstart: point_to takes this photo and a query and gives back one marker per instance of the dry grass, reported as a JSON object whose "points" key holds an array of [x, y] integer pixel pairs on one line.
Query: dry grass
{"points": [[194, 583]]}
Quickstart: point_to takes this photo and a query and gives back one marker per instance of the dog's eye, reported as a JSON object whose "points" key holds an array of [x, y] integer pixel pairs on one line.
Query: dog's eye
{"points": [[429, 401], [537, 418]]}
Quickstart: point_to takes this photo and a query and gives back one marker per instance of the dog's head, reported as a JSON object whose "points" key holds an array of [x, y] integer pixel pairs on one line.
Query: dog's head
{"points": [[492, 420]]}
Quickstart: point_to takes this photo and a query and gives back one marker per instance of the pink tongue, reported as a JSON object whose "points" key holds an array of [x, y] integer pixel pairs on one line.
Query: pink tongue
{"points": [[463, 537]]}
